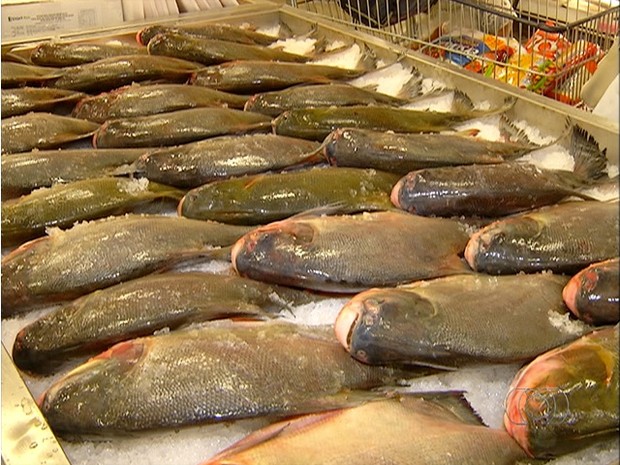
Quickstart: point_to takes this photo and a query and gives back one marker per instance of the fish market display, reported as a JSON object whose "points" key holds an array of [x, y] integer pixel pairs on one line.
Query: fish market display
{"points": [[494, 190], [213, 51], [451, 321], [141, 306], [317, 123], [321, 95], [410, 429], [253, 76], [351, 253], [61, 54], [110, 73], [178, 127], [223, 157], [567, 397], [210, 374], [593, 294], [402, 153], [218, 31], [143, 100], [268, 197], [26, 99], [563, 238], [62, 205], [25, 172], [23, 74], [94, 255], [42, 131]]}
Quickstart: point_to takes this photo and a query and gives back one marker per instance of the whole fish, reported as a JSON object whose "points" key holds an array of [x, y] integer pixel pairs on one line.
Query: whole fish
{"points": [[456, 320], [178, 127], [23, 74], [26, 99], [62, 205], [110, 73], [61, 54], [317, 123], [143, 100], [268, 197], [593, 294], [562, 238], [351, 253], [223, 157], [495, 190], [208, 375], [25, 172], [213, 51], [251, 76], [42, 130], [402, 153], [141, 306], [410, 429], [319, 95], [89, 256], [567, 398], [217, 31]]}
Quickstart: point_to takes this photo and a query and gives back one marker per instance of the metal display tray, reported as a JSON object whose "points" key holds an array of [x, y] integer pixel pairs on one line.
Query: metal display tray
{"points": [[22, 422]]}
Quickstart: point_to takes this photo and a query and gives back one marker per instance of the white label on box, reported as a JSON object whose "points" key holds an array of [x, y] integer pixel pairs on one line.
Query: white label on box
{"points": [[42, 18]]}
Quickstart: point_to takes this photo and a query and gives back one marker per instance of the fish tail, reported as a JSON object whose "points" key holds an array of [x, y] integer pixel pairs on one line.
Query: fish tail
{"points": [[507, 104], [512, 133], [461, 103], [590, 160]]}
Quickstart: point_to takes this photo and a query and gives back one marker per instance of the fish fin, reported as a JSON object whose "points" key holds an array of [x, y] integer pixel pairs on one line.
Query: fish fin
{"points": [[334, 208], [590, 160], [469, 132], [511, 133], [412, 88], [454, 404], [272, 431], [368, 58], [162, 190], [284, 31], [251, 180], [461, 103]]}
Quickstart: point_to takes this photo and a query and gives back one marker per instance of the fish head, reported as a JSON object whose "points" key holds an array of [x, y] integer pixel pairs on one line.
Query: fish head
{"points": [[389, 325], [403, 192], [505, 247], [273, 252], [331, 143], [71, 403], [566, 398]]}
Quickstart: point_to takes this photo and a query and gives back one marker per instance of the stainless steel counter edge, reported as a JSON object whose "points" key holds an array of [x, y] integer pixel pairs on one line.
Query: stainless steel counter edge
{"points": [[26, 436]]}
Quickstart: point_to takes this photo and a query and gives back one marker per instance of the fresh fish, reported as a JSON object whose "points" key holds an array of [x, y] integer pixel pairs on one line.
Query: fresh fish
{"points": [[264, 198], [351, 253], [217, 31], [94, 255], [178, 127], [213, 51], [208, 375], [562, 238], [61, 54], [22, 74], [402, 153], [567, 398], [42, 131], [136, 100], [319, 95], [251, 76], [593, 294], [14, 56], [425, 428], [382, 14], [223, 157], [25, 172], [141, 306], [317, 123], [495, 190], [62, 205], [110, 73], [26, 99], [453, 321]]}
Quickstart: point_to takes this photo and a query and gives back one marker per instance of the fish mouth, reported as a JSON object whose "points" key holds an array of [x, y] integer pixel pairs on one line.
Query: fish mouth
{"points": [[346, 322], [249, 104]]}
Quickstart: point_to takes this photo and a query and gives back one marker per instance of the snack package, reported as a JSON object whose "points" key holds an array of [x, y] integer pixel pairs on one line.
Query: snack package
{"points": [[547, 44]]}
